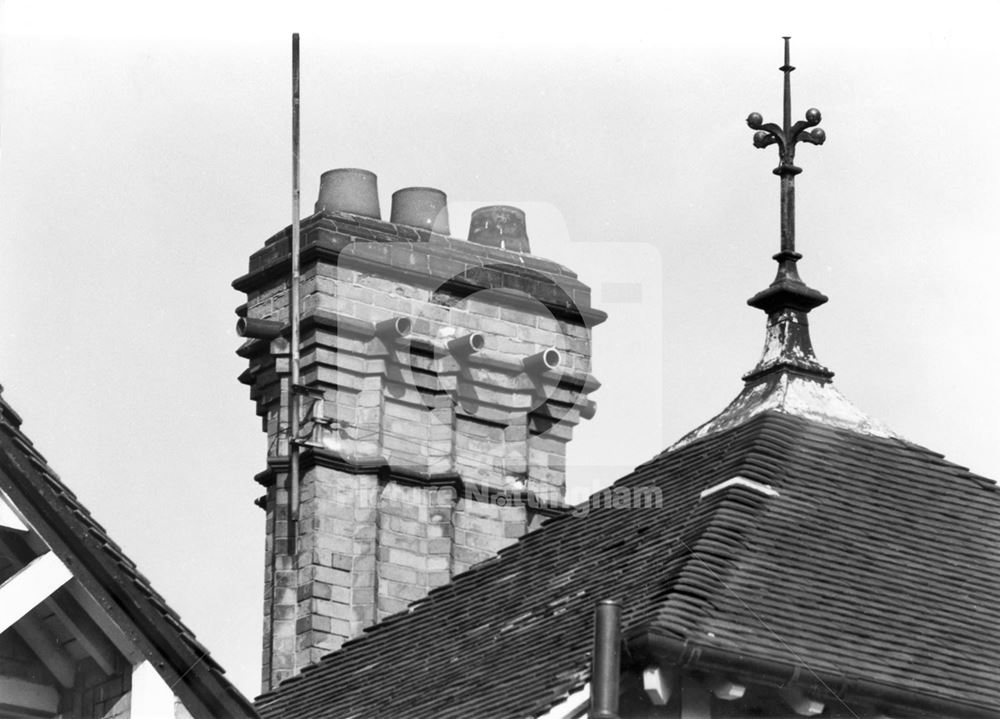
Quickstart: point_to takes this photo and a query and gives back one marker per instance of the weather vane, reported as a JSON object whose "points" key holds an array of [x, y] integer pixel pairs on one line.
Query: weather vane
{"points": [[786, 137]]}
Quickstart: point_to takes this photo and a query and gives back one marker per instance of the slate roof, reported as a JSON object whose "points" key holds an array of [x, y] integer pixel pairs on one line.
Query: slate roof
{"points": [[877, 561], [112, 578]]}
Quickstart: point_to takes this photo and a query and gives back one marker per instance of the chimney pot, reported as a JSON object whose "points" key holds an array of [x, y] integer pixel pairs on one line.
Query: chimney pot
{"points": [[423, 207], [349, 189], [500, 226]]}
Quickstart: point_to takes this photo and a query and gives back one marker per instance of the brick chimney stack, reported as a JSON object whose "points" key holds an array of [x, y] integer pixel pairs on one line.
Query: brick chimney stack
{"points": [[440, 382]]}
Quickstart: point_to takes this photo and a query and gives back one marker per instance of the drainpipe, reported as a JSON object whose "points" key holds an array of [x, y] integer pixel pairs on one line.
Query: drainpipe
{"points": [[605, 670]]}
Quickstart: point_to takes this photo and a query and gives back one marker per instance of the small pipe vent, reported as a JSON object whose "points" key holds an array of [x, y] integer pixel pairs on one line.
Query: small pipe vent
{"points": [[500, 226], [466, 344], [394, 328], [258, 329], [350, 190], [422, 207], [544, 361]]}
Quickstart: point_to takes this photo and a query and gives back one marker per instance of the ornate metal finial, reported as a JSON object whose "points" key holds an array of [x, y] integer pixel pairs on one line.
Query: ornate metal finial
{"points": [[788, 300], [786, 137]]}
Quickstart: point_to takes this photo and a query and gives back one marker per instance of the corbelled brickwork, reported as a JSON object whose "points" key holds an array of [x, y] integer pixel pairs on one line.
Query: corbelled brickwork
{"points": [[435, 417]]}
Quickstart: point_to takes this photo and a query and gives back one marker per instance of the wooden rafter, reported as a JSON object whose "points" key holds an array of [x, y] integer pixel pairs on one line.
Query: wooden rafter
{"points": [[115, 634], [29, 587], [59, 664], [87, 634], [10, 518]]}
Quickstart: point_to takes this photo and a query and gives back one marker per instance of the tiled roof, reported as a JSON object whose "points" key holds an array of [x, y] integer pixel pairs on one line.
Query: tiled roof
{"points": [[112, 578], [877, 560]]}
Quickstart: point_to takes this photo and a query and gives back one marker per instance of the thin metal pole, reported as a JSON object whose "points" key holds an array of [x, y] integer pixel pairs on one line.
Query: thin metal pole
{"points": [[787, 212], [787, 176], [787, 68], [293, 306]]}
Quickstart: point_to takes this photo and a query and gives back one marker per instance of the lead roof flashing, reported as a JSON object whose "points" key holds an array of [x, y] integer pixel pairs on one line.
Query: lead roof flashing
{"points": [[765, 489], [788, 392]]}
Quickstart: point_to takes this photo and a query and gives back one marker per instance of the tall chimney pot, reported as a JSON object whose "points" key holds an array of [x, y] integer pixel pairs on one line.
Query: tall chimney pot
{"points": [[500, 226], [422, 207], [349, 189]]}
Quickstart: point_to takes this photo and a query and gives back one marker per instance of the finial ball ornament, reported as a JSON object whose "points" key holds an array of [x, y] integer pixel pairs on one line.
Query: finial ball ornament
{"points": [[813, 116], [755, 120], [760, 139], [819, 135]]}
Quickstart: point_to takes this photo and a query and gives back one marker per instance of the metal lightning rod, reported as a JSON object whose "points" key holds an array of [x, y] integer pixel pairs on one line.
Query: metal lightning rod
{"points": [[293, 307]]}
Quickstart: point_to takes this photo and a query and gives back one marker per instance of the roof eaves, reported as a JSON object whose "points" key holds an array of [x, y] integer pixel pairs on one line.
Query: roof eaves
{"points": [[688, 654]]}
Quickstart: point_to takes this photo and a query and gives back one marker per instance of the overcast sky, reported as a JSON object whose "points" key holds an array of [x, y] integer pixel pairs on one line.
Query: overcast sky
{"points": [[144, 154]]}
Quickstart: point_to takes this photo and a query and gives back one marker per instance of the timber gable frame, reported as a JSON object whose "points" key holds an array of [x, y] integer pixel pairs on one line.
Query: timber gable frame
{"points": [[126, 620]]}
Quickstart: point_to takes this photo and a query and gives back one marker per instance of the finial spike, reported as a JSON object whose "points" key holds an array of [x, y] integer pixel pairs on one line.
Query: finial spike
{"points": [[787, 68]]}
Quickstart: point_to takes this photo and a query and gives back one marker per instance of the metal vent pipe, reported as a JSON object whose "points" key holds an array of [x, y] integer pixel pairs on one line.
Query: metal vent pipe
{"points": [[606, 667]]}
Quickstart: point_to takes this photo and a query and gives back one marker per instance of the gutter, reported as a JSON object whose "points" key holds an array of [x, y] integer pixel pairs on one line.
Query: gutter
{"points": [[686, 654]]}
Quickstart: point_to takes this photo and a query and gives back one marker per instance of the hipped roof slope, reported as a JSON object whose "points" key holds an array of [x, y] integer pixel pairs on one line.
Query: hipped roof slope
{"points": [[877, 559]]}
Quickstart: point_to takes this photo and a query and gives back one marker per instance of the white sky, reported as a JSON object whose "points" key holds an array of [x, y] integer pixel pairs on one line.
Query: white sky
{"points": [[144, 154]]}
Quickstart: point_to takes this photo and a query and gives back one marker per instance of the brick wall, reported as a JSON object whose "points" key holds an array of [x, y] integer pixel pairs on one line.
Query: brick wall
{"points": [[97, 696], [418, 461]]}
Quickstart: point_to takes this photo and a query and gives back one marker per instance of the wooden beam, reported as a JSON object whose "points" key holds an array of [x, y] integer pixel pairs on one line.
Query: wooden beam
{"points": [[59, 664], [149, 635], [10, 518], [22, 546], [86, 632], [90, 637], [151, 697], [108, 626], [24, 697], [26, 589]]}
